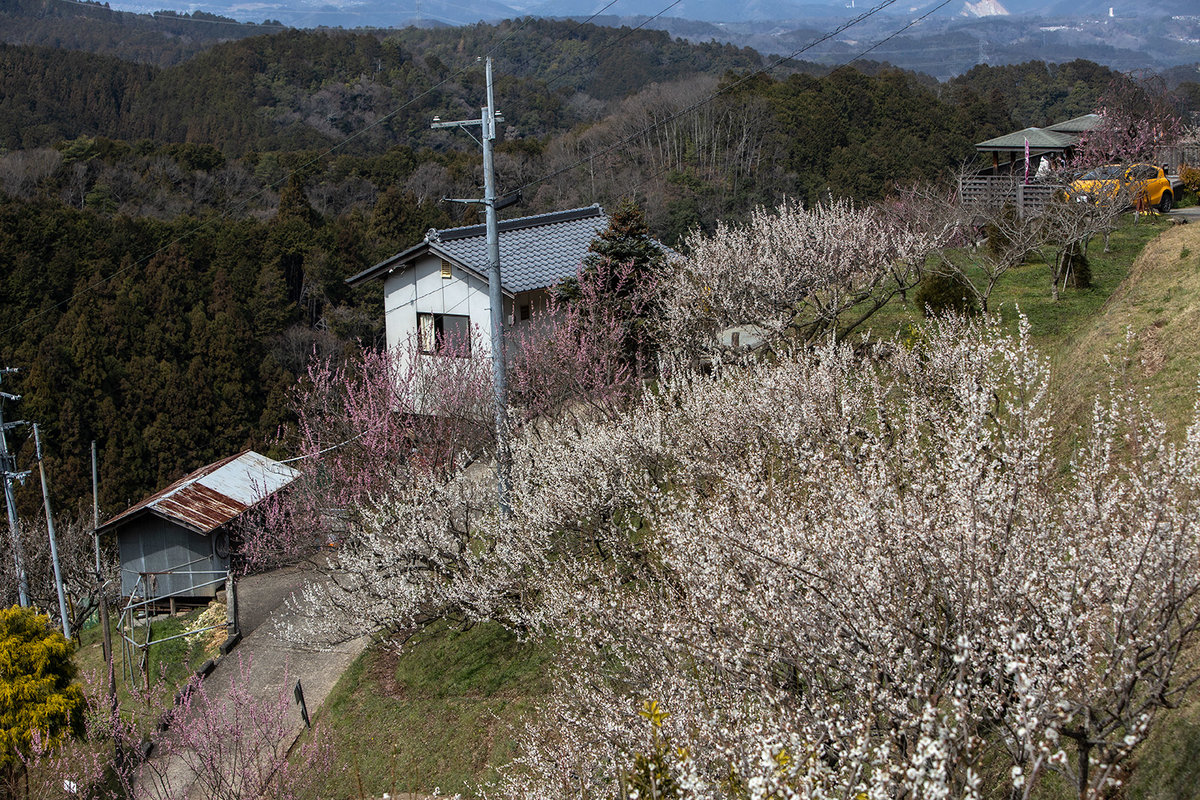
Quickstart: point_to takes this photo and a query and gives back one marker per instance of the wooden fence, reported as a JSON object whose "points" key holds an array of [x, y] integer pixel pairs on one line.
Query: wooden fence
{"points": [[999, 190], [1179, 155]]}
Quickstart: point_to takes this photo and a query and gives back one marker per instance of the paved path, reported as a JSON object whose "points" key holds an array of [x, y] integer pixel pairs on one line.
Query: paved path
{"points": [[274, 662]]}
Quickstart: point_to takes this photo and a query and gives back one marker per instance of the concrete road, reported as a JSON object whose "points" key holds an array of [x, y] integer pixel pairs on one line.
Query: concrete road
{"points": [[272, 664]]}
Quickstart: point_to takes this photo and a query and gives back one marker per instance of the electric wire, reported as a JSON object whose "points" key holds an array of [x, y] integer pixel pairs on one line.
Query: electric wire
{"points": [[240, 206], [512, 71], [653, 176], [610, 43], [237, 208], [708, 99]]}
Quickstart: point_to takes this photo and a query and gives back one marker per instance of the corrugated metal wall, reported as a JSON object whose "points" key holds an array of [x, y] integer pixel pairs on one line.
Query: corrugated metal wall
{"points": [[183, 558]]}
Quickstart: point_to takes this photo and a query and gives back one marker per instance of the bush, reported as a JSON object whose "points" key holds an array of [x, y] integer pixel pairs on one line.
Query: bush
{"points": [[1191, 178], [40, 706], [939, 292]]}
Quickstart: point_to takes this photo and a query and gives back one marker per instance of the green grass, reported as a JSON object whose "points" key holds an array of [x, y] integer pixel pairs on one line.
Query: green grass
{"points": [[442, 714], [173, 660], [1026, 290], [1167, 765]]}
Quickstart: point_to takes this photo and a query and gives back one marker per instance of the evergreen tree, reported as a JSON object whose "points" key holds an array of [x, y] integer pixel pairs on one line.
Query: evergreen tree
{"points": [[36, 692], [616, 275]]}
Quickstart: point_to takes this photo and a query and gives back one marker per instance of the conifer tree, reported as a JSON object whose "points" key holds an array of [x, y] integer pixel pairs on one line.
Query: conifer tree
{"points": [[618, 273], [37, 696]]}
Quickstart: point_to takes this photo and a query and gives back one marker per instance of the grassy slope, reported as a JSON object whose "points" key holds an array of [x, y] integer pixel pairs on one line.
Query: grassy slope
{"points": [[1158, 311], [174, 660], [440, 714]]}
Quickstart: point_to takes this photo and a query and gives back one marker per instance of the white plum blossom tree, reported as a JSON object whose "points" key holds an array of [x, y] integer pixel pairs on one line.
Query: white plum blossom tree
{"points": [[848, 569], [789, 273], [840, 576]]}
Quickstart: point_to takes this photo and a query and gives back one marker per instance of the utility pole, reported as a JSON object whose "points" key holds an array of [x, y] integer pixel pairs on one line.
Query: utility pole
{"points": [[8, 466], [488, 118], [100, 584], [62, 597], [96, 508]]}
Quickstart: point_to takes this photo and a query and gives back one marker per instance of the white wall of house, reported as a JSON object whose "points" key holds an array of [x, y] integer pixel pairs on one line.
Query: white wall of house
{"points": [[421, 289]]}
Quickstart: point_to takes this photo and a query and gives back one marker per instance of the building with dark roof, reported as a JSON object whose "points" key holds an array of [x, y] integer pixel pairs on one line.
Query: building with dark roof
{"points": [[437, 291], [1055, 140], [176, 541]]}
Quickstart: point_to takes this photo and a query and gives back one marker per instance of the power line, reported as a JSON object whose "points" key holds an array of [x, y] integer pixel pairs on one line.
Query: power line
{"points": [[611, 43], [387, 117], [629, 191], [526, 62], [329, 151], [745, 78]]}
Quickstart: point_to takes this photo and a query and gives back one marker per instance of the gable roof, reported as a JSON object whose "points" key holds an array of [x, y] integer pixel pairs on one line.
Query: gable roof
{"points": [[1076, 125], [1058, 136], [535, 252], [1039, 139], [214, 494]]}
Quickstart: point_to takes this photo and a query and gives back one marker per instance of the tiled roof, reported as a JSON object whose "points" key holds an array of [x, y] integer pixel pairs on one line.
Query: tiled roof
{"points": [[1076, 125], [535, 252], [1039, 139], [213, 494]]}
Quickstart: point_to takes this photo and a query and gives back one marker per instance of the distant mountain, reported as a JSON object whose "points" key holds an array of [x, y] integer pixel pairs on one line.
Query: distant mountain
{"points": [[426, 13], [1120, 8], [1148, 34], [343, 13], [702, 10]]}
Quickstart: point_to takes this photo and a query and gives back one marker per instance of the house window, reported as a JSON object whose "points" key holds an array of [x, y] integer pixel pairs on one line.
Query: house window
{"points": [[445, 268], [525, 312], [444, 334]]}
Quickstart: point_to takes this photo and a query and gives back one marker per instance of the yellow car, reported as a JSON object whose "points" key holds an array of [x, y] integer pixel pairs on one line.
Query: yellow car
{"points": [[1139, 182]]}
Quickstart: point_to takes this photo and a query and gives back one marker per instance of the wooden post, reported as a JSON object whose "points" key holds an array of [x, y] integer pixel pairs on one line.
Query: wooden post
{"points": [[231, 605]]}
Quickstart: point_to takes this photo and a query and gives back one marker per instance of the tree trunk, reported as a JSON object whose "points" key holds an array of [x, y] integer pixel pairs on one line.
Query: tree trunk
{"points": [[1085, 750]]}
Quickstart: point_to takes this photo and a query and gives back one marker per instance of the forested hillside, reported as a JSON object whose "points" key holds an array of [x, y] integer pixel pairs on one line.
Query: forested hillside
{"points": [[165, 38], [174, 239]]}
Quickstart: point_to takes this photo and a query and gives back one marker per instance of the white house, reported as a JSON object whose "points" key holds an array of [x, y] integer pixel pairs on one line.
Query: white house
{"points": [[437, 291]]}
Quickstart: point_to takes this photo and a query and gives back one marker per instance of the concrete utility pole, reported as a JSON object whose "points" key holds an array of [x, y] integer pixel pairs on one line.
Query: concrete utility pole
{"points": [[62, 597], [8, 466], [488, 118], [100, 584]]}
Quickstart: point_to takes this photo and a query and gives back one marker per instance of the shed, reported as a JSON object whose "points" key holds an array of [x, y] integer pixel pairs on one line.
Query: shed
{"points": [[176, 541], [1057, 139]]}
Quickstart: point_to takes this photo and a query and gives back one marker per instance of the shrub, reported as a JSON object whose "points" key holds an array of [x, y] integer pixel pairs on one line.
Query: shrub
{"points": [[939, 292], [1191, 178]]}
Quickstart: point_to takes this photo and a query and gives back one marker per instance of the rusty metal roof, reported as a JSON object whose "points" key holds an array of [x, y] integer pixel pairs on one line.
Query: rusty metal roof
{"points": [[213, 494]]}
